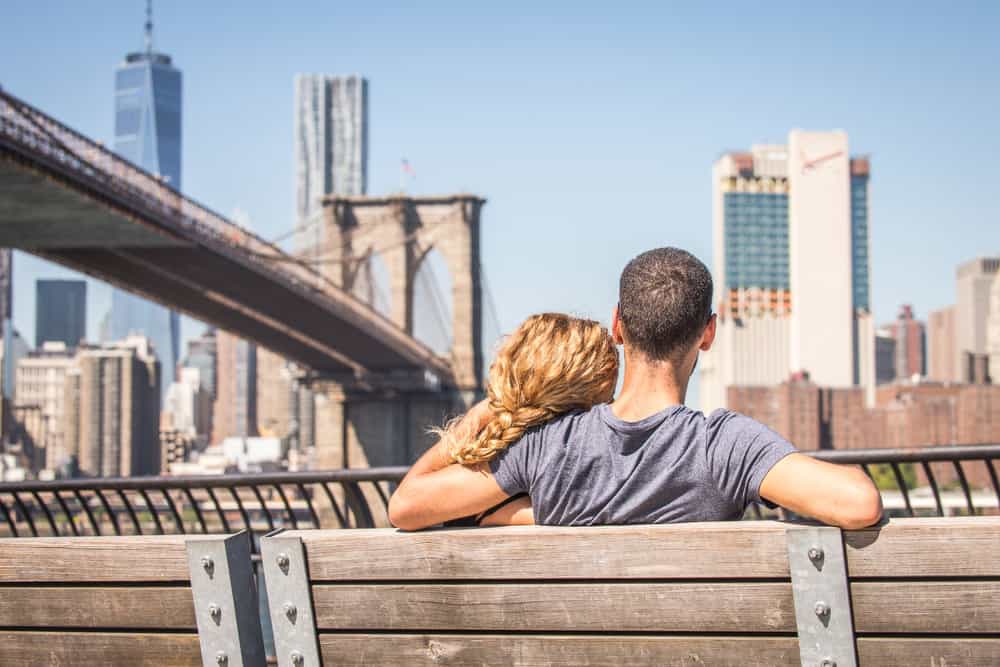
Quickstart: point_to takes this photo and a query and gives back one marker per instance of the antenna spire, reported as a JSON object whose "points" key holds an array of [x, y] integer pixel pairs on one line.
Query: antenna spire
{"points": [[149, 26]]}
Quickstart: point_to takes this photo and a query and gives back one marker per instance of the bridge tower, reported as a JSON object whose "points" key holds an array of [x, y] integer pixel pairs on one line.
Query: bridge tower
{"points": [[364, 424]]}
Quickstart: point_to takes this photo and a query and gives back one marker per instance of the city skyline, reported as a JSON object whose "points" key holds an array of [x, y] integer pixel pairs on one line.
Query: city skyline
{"points": [[462, 137]]}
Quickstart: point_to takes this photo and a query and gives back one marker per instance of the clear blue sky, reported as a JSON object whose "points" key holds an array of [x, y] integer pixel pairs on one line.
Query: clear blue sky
{"points": [[590, 127]]}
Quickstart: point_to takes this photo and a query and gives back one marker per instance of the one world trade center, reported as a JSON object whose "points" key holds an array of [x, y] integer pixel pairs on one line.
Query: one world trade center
{"points": [[148, 133]]}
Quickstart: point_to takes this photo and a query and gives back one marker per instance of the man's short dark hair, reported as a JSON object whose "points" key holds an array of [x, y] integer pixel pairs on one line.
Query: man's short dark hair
{"points": [[664, 302]]}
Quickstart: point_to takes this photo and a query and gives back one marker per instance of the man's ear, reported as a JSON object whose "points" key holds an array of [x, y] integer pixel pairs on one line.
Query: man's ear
{"points": [[616, 327], [708, 337]]}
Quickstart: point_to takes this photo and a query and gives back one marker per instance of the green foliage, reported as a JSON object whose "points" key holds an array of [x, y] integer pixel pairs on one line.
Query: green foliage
{"points": [[885, 480]]}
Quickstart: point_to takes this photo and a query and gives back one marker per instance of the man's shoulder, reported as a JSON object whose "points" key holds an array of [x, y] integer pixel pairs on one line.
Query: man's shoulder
{"points": [[568, 422]]}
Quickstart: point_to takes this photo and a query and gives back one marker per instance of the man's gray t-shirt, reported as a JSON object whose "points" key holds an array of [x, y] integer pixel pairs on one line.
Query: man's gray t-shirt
{"points": [[590, 467]]}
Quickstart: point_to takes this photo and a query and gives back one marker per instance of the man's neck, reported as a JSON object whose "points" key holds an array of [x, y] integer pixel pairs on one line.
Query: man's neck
{"points": [[648, 387]]}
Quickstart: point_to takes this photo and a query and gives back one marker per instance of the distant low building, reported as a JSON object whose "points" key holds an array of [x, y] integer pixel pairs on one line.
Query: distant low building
{"points": [[941, 345], [115, 418], [911, 344], [906, 415], [235, 409], [885, 356], [39, 388], [973, 282]]}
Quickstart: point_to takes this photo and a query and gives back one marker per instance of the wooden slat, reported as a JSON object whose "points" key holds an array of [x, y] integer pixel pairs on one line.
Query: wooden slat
{"points": [[948, 607], [879, 607], [64, 649], [928, 547], [695, 550], [97, 607], [640, 607], [557, 651], [930, 652], [94, 559], [955, 546]]}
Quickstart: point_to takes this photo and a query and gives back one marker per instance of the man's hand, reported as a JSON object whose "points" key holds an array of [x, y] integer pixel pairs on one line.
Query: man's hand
{"points": [[837, 495], [436, 490]]}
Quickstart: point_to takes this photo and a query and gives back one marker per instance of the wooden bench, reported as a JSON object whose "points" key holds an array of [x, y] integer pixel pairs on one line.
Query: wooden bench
{"points": [[921, 591], [123, 600]]}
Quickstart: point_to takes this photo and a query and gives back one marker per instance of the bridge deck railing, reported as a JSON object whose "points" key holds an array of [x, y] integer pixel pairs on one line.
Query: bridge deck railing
{"points": [[40, 139], [934, 481]]}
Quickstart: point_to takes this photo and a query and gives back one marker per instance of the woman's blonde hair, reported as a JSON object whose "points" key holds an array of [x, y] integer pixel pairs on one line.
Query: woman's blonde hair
{"points": [[551, 364]]}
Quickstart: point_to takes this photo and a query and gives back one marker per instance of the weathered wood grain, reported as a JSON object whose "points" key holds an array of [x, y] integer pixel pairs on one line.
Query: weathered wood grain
{"points": [[755, 549], [879, 607], [696, 550], [950, 607], [65, 649], [875, 652], [927, 547], [640, 607], [95, 607], [94, 559], [557, 651]]}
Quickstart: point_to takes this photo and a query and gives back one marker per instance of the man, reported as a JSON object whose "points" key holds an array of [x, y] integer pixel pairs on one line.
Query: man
{"points": [[645, 458]]}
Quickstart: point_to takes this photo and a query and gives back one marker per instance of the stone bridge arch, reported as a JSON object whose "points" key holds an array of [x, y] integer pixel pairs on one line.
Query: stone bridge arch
{"points": [[403, 231]]}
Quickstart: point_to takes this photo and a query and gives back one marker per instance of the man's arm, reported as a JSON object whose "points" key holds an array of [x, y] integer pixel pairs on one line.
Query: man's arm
{"points": [[437, 490], [838, 495]]}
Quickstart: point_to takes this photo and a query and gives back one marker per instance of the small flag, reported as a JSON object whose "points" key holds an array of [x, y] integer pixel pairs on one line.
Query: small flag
{"points": [[408, 169]]}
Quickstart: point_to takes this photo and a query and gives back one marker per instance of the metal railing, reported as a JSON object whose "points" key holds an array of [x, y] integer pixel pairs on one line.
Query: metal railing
{"points": [[359, 498], [349, 498], [896, 472]]}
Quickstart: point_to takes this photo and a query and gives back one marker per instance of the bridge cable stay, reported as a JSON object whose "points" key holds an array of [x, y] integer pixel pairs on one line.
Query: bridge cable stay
{"points": [[491, 331], [432, 310]]}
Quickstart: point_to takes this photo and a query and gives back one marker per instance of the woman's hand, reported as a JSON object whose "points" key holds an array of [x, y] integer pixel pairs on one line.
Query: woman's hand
{"points": [[515, 513]]}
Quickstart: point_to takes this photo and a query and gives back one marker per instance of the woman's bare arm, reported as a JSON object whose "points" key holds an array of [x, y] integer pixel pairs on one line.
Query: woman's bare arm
{"points": [[436, 490]]}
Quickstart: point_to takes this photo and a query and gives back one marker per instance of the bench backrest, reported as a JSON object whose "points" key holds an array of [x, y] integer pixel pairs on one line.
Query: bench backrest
{"points": [[923, 591], [117, 600]]}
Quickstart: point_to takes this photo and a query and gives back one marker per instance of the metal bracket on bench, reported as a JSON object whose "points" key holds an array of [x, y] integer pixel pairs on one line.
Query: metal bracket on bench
{"points": [[225, 601], [822, 598], [289, 601]]}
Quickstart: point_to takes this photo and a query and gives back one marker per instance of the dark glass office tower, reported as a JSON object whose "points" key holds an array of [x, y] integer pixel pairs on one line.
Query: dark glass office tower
{"points": [[148, 133], [60, 311]]}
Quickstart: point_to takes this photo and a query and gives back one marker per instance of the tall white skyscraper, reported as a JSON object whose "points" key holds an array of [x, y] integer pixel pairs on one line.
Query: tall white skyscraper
{"points": [[792, 275], [331, 145]]}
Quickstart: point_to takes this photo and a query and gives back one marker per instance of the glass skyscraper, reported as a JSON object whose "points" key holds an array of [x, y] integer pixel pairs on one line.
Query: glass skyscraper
{"points": [[148, 133], [60, 311]]}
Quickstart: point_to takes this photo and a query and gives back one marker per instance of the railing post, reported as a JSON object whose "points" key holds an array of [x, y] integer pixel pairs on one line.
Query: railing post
{"points": [[225, 601], [823, 615], [289, 601]]}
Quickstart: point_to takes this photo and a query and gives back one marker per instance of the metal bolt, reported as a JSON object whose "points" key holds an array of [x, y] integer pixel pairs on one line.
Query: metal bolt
{"points": [[821, 609], [297, 659], [283, 561], [828, 662], [207, 564], [221, 659], [290, 611], [215, 612], [815, 554]]}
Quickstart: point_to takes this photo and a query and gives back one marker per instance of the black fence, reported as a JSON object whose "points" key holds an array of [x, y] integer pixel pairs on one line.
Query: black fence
{"points": [[934, 481], [350, 498]]}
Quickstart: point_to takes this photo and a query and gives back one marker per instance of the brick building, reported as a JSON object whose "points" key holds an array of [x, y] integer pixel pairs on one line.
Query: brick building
{"points": [[904, 416]]}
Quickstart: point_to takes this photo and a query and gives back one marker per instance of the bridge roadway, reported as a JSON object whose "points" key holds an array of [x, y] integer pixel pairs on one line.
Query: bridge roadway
{"points": [[67, 199]]}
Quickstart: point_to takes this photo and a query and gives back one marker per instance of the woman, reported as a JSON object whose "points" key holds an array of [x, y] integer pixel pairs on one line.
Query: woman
{"points": [[552, 364]]}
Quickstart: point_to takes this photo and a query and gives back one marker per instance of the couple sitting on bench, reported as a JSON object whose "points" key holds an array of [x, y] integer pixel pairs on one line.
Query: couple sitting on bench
{"points": [[549, 446]]}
